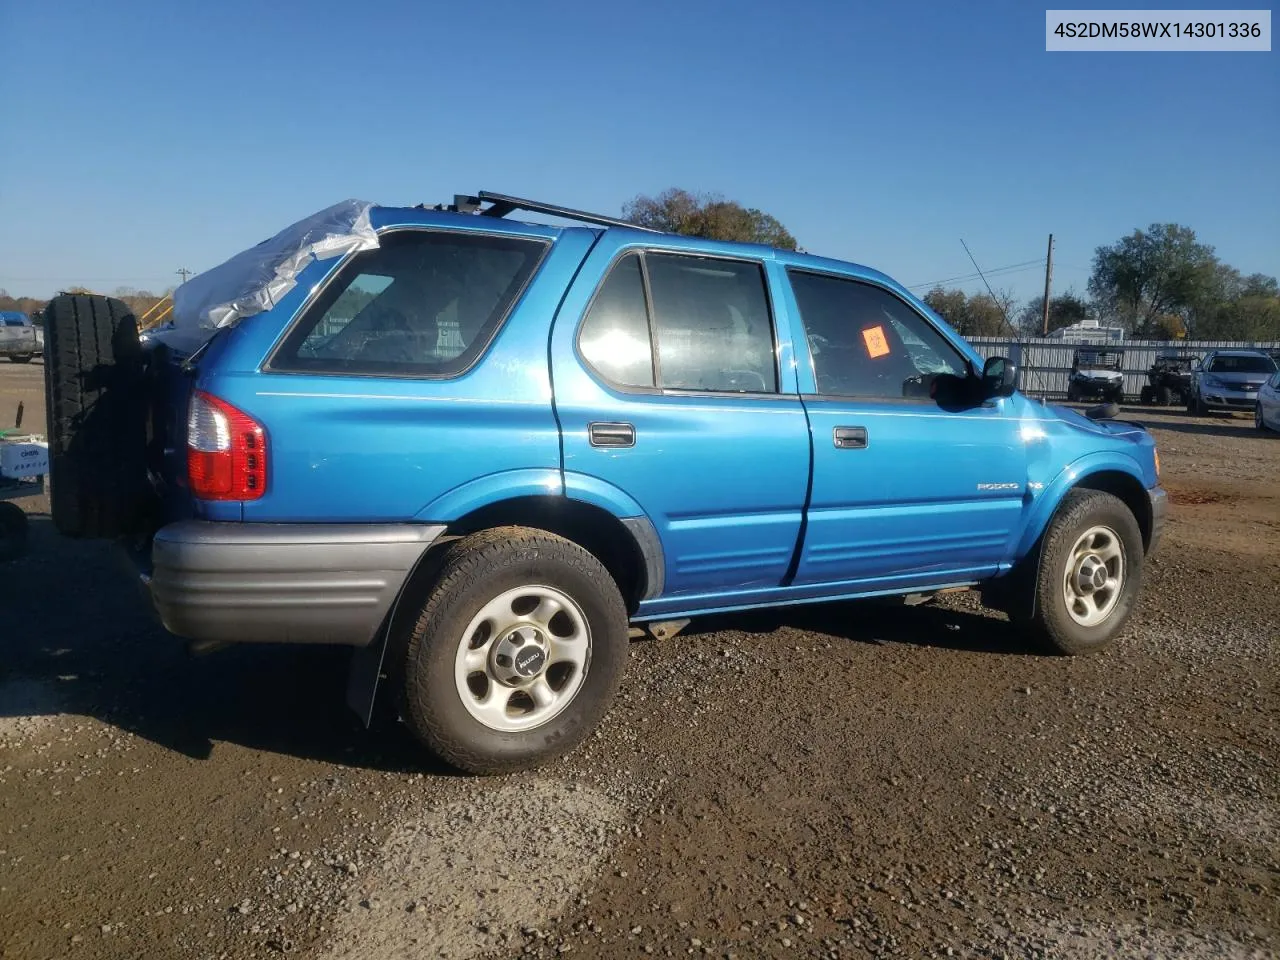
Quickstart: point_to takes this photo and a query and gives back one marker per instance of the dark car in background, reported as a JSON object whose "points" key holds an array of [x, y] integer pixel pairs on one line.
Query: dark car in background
{"points": [[1169, 379]]}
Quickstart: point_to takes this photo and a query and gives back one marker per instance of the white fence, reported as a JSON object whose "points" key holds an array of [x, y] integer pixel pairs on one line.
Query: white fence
{"points": [[1044, 365]]}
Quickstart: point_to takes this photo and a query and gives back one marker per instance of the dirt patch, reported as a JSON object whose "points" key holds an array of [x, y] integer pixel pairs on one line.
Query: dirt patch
{"points": [[1065, 940], [475, 872], [1184, 497]]}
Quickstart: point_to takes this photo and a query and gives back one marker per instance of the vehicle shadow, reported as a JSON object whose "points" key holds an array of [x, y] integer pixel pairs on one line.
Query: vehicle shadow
{"points": [[79, 639], [880, 622]]}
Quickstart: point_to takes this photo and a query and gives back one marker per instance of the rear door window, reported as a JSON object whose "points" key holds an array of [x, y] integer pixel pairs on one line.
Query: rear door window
{"points": [[424, 303], [712, 326], [682, 323]]}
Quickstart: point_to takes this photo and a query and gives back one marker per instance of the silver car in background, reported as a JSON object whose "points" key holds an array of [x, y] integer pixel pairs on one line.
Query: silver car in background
{"points": [[18, 339], [1229, 380], [1266, 412]]}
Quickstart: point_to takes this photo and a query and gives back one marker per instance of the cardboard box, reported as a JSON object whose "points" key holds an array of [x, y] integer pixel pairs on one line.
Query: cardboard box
{"points": [[23, 459]]}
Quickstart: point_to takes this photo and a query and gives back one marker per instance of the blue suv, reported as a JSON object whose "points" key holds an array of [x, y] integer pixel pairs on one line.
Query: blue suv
{"points": [[485, 452]]}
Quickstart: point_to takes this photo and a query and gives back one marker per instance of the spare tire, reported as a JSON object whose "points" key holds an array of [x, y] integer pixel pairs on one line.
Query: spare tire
{"points": [[95, 397]]}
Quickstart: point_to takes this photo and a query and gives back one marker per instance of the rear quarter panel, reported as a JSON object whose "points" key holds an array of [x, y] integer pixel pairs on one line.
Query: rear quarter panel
{"points": [[385, 449]]}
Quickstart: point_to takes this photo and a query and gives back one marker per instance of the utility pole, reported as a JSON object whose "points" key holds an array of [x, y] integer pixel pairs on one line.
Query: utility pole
{"points": [[1048, 279], [184, 273]]}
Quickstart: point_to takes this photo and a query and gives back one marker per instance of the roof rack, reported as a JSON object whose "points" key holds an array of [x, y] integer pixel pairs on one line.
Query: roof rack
{"points": [[500, 205]]}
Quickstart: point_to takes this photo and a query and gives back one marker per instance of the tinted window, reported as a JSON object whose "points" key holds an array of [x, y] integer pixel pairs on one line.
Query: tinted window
{"points": [[14, 322], [1258, 364], [615, 334], [711, 324], [865, 342], [422, 303]]}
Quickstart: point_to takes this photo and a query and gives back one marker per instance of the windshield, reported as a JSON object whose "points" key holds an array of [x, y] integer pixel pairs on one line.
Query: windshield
{"points": [[1258, 364]]}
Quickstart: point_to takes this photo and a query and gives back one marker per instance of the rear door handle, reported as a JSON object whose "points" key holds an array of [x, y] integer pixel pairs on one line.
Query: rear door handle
{"points": [[611, 434], [851, 438]]}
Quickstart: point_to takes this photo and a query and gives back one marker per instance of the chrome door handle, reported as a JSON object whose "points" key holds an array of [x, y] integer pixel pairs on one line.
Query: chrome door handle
{"points": [[850, 438], [611, 434]]}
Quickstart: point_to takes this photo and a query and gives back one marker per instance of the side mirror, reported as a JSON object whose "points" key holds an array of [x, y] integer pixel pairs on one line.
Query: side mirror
{"points": [[999, 377]]}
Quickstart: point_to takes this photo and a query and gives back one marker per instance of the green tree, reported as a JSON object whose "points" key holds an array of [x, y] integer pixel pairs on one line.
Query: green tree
{"points": [[707, 215], [951, 305], [1064, 310], [980, 315], [1154, 272]]}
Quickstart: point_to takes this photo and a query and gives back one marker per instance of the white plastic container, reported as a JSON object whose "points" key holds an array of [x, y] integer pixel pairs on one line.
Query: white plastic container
{"points": [[22, 458]]}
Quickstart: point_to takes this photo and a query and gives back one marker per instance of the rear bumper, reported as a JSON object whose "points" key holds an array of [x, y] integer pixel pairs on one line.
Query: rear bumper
{"points": [[282, 583], [1159, 512]]}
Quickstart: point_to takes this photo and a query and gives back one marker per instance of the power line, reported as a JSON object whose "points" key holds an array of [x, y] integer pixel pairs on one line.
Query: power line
{"points": [[1011, 268]]}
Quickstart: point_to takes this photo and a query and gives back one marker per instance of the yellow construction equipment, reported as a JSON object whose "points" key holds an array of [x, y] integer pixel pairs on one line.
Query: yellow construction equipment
{"points": [[151, 318]]}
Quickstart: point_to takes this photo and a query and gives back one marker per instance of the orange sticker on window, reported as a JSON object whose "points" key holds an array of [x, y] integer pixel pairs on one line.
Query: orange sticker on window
{"points": [[877, 344]]}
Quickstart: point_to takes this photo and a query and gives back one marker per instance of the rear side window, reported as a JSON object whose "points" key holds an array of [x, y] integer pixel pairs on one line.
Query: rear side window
{"points": [[865, 342], [14, 322], [424, 303], [682, 323]]}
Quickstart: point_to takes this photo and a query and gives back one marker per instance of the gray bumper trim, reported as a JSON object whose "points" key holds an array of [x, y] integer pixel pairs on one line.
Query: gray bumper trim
{"points": [[1159, 510], [282, 582]]}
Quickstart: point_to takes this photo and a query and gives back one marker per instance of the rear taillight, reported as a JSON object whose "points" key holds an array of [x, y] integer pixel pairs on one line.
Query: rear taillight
{"points": [[226, 451]]}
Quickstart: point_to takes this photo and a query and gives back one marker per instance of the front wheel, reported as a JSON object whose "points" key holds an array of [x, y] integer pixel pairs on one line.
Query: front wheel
{"points": [[20, 358], [1089, 574], [1258, 420], [517, 654]]}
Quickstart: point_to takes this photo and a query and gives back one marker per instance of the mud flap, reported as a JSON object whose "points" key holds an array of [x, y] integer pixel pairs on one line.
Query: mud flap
{"points": [[363, 675]]}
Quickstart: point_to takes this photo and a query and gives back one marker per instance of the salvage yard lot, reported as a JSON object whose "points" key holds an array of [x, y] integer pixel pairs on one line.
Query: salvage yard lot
{"points": [[838, 780]]}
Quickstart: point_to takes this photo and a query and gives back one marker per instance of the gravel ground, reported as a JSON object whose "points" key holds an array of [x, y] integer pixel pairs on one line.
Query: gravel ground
{"points": [[843, 780]]}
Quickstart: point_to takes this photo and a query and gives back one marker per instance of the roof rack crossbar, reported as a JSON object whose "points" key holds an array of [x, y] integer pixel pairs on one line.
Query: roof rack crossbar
{"points": [[501, 205]]}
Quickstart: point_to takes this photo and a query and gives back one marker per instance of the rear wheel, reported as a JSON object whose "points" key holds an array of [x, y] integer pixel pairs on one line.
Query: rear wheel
{"points": [[1163, 397], [1146, 397], [1088, 576], [25, 358], [517, 654], [96, 401]]}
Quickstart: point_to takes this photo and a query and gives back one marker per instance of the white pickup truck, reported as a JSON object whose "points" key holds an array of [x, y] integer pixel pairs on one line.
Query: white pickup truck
{"points": [[18, 339]]}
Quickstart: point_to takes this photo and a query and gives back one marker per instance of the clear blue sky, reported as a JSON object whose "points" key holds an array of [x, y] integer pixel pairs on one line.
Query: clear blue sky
{"points": [[140, 136]]}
